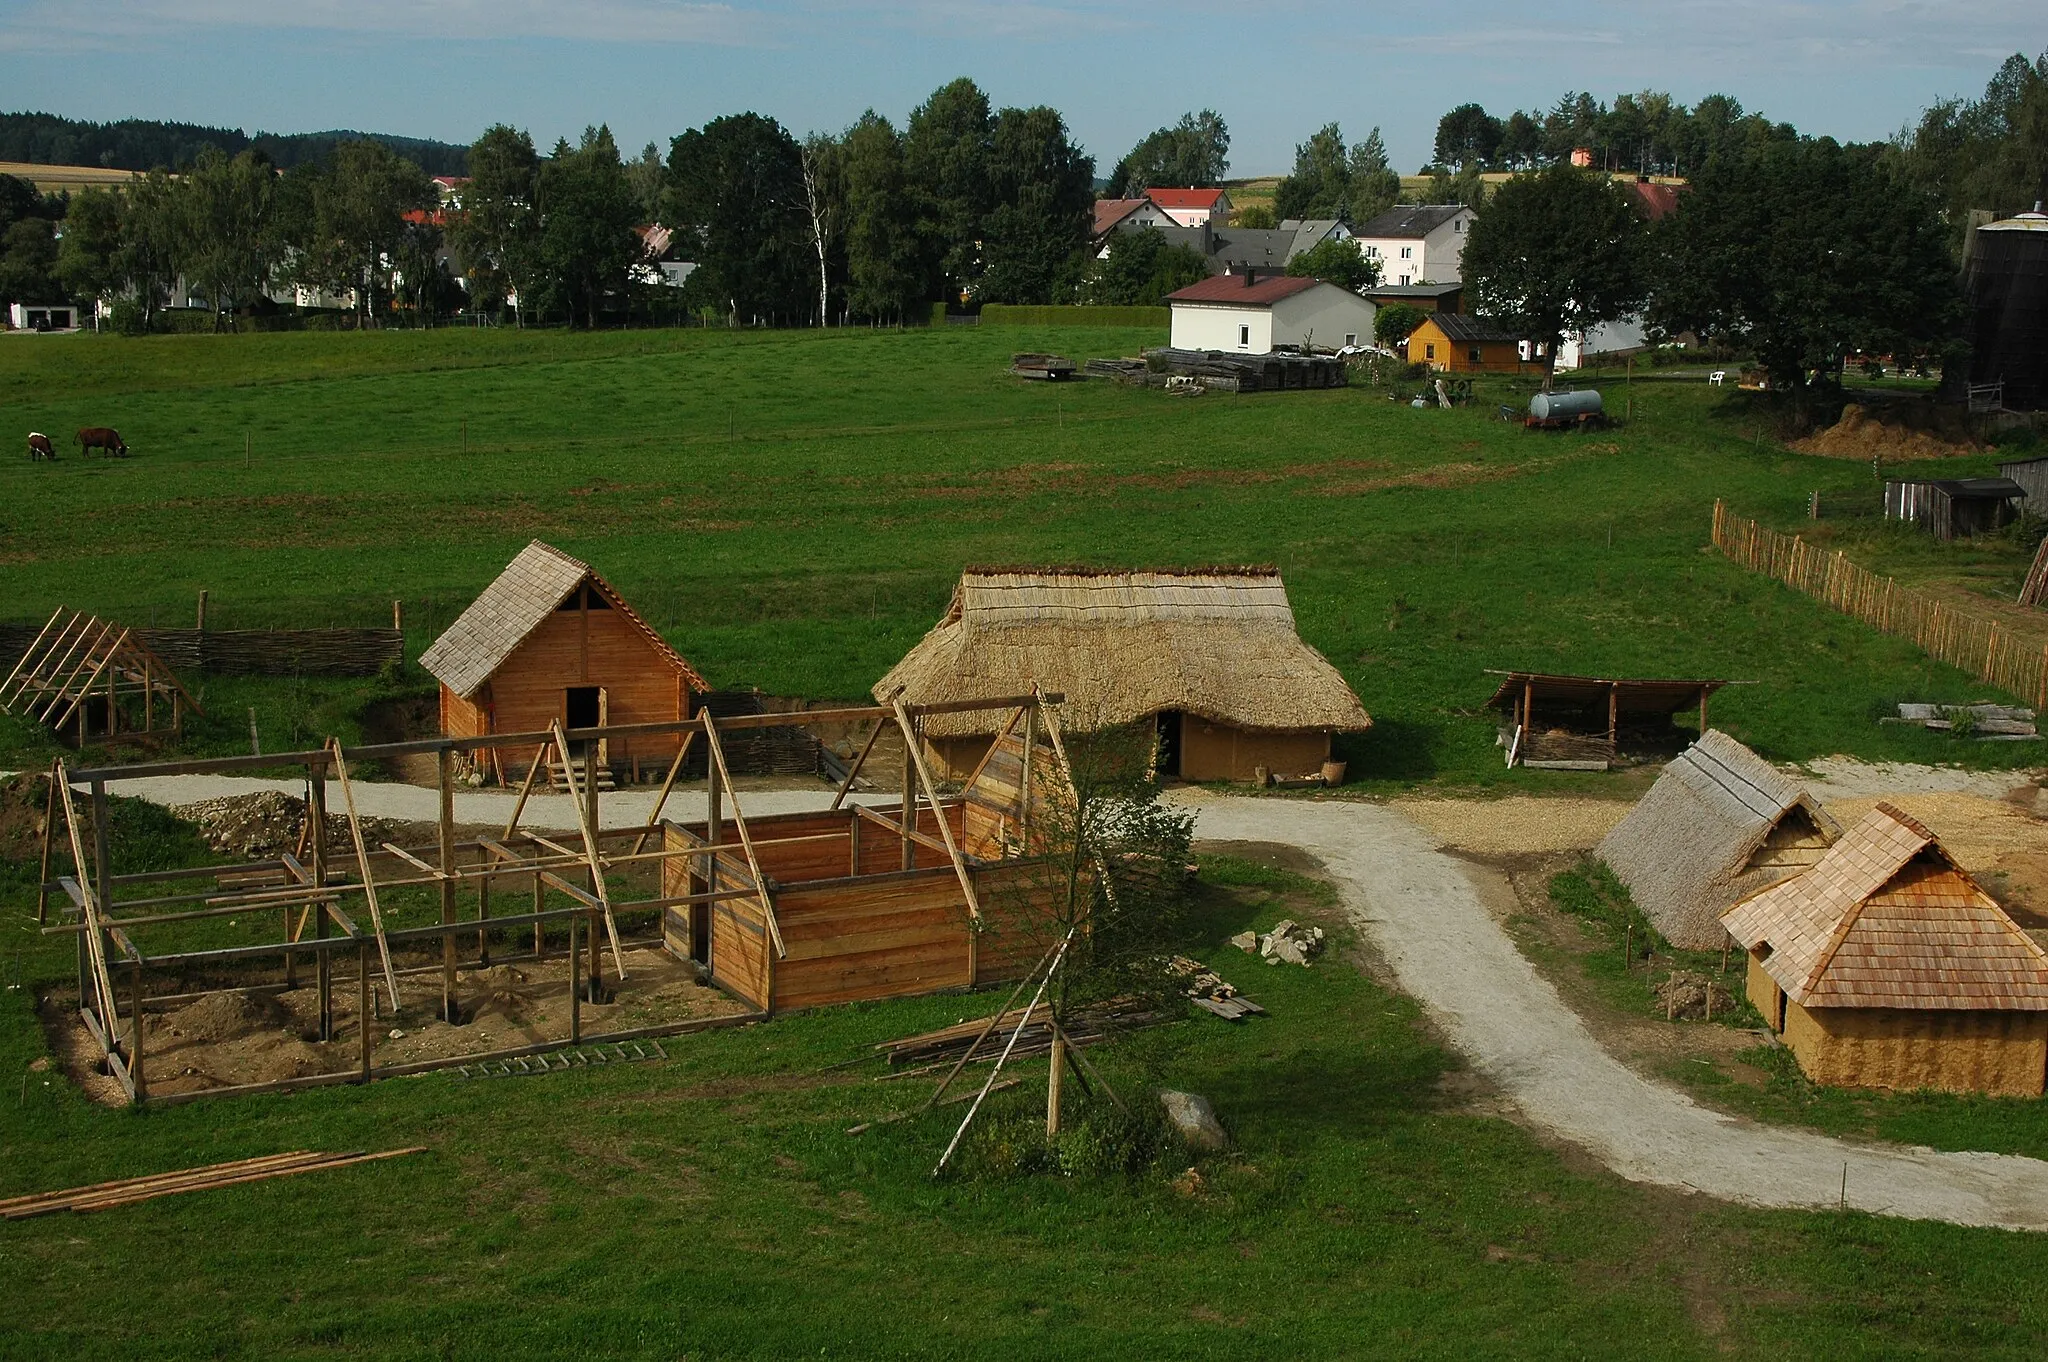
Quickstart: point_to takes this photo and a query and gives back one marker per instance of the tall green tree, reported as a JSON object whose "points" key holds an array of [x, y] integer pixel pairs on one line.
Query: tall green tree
{"points": [[228, 228], [89, 258], [1336, 262], [28, 244], [1375, 186], [151, 231], [587, 246], [736, 184], [1044, 189], [885, 278], [1192, 154], [947, 153], [1142, 267], [1804, 251], [360, 197], [1556, 251], [495, 230], [1320, 185], [822, 164], [1467, 133], [1990, 153]]}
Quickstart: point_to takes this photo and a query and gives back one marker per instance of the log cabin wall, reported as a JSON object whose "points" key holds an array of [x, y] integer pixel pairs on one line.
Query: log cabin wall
{"points": [[584, 647], [1218, 751]]}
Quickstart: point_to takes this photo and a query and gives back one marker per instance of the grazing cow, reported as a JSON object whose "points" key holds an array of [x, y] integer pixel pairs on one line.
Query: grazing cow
{"points": [[39, 446], [102, 438]]}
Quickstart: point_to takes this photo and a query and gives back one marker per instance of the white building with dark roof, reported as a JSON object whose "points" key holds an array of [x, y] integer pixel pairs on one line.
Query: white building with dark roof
{"points": [[1417, 243]]}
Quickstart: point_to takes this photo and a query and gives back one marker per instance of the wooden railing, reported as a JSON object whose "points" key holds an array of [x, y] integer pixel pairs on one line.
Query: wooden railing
{"points": [[1982, 647]]}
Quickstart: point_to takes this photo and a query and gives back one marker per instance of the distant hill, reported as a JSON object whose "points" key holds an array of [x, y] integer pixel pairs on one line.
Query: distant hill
{"points": [[144, 144]]}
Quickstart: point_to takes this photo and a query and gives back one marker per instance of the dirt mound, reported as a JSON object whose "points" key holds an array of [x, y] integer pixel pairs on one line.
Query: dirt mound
{"points": [[1895, 433], [1685, 995], [265, 824], [22, 799], [225, 1016]]}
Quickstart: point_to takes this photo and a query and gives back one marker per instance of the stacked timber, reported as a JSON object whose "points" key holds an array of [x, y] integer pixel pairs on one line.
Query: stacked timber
{"points": [[1223, 372], [1087, 1026], [106, 1196], [1121, 370], [1047, 367]]}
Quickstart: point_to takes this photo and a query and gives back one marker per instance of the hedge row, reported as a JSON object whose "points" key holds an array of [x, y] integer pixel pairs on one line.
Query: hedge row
{"points": [[1006, 314]]}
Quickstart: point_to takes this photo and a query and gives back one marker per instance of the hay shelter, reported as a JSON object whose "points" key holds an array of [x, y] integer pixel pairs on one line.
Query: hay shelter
{"points": [[1719, 824], [551, 641], [1208, 655], [1884, 965]]}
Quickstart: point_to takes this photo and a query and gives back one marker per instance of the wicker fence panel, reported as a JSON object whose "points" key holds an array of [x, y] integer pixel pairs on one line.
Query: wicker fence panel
{"points": [[251, 652], [1979, 646]]}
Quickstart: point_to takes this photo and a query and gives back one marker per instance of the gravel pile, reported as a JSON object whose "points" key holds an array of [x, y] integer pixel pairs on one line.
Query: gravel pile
{"points": [[264, 825]]}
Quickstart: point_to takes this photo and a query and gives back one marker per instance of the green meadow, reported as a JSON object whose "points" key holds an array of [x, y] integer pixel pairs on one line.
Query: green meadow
{"points": [[791, 509]]}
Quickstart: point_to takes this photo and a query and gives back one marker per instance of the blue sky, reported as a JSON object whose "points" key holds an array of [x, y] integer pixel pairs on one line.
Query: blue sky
{"points": [[1854, 69]]}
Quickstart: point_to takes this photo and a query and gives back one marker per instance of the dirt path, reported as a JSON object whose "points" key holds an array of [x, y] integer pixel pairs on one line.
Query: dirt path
{"points": [[1448, 952]]}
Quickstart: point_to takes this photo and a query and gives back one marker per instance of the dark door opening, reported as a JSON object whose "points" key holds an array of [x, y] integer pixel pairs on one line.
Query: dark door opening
{"points": [[1169, 742], [700, 933], [583, 708]]}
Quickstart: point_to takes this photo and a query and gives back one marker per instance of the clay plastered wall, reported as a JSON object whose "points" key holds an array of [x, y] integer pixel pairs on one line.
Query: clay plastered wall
{"points": [[1763, 992], [2001, 1053], [1213, 751]]}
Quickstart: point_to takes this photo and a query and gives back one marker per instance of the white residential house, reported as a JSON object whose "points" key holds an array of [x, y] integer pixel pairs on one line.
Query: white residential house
{"points": [[1623, 336], [1417, 244], [1251, 314], [1125, 215], [1192, 207]]}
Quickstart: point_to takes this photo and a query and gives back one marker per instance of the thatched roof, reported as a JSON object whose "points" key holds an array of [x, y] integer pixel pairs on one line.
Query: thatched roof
{"points": [[470, 651], [1719, 824], [1887, 919], [1218, 643]]}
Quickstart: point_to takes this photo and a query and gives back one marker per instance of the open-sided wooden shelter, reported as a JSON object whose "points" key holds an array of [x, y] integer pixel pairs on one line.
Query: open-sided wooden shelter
{"points": [[1210, 655], [550, 641], [1583, 723], [1719, 824], [86, 679], [1885, 965]]}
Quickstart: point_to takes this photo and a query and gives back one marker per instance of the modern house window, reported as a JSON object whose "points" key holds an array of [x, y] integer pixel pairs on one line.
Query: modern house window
{"points": [[1350, 338], [1407, 252], [1244, 337]]}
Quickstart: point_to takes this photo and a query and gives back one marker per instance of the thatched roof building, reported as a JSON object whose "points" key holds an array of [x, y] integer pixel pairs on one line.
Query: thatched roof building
{"points": [[550, 639], [1885, 965], [1211, 655], [1719, 824]]}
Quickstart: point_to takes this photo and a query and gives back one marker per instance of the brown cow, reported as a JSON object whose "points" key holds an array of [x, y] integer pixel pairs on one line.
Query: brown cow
{"points": [[39, 446], [103, 438]]}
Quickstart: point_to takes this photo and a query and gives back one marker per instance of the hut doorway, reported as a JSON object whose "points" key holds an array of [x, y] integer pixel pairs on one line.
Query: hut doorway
{"points": [[584, 707], [1169, 725]]}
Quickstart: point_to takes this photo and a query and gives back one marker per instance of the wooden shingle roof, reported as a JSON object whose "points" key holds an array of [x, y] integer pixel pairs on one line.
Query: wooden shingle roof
{"points": [[1887, 919], [521, 598]]}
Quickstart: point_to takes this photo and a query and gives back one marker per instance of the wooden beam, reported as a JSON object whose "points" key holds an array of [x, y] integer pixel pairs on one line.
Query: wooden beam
{"points": [[588, 812], [355, 827], [853, 771], [526, 788], [739, 822], [95, 943], [37, 642], [668, 782], [931, 793]]}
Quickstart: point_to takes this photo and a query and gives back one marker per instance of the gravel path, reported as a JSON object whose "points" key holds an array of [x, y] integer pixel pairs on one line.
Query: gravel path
{"points": [[1449, 953]]}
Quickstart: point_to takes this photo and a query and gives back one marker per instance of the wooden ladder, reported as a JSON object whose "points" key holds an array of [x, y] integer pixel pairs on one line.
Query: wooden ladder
{"points": [[586, 769]]}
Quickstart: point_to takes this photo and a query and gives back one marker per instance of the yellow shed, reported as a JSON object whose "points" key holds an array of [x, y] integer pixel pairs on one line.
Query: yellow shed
{"points": [[1454, 343]]}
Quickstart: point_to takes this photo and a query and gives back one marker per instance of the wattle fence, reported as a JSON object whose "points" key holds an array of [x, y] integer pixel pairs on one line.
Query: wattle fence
{"points": [[1982, 647]]}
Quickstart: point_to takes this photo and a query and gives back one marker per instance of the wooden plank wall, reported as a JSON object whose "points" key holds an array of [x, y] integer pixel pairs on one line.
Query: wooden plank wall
{"points": [[525, 694], [990, 810], [888, 937]]}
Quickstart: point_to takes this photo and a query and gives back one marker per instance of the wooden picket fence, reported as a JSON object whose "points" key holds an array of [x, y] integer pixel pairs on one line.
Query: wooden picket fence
{"points": [[1982, 647]]}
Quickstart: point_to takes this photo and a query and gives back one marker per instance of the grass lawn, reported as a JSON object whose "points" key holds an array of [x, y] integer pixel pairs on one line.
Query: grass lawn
{"points": [[792, 509], [713, 1207]]}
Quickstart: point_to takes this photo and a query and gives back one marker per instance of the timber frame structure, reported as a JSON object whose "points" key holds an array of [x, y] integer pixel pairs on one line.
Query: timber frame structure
{"points": [[80, 667], [715, 864]]}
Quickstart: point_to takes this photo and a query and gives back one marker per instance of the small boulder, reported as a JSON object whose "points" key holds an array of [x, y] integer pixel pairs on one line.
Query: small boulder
{"points": [[1246, 941], [1194, 1120]]}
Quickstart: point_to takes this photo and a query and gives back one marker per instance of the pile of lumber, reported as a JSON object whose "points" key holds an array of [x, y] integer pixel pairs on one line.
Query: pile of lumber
{"points": [[1209, 991], [1088, 1026], [1122, 370], [1219, 371], [103, 1196], [2006, 722], [1048, 367]]}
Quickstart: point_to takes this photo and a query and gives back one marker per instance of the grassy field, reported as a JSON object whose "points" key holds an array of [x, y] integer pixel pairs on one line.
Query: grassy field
{"points": [[792, 509], [713, 1207]]}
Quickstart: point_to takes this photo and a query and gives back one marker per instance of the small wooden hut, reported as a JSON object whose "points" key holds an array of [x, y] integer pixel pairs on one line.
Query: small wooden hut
{"points": [[1719, 824], [87, 679], [1954, 508], [1584, 723], [551, 641], [1208, 655], [1884, 965]]}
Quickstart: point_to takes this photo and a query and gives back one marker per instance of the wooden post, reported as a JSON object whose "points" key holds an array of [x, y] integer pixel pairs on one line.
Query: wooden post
{"points": [[909, 792], [369, 1041], [444, 770], [1024, 783], [49, 839], [483, 908], [852, 845], [1613, 714], [1703, 711], [1052, 1083], [398, 615], [201, 626], [135, 1037], [575, 990], [540, 936]]}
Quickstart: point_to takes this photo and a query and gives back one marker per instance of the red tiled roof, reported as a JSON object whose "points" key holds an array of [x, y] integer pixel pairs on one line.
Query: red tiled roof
{"points": [[1109, 212], [1656, 201], [1184, 198], [1232, 289]]}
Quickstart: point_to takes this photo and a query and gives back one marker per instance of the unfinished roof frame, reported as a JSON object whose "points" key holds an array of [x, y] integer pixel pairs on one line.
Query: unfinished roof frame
{"points": [[1519, 693], [76, 660], [310, 885]]}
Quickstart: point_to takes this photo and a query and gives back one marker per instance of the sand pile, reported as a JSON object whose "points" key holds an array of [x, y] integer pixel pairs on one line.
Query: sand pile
{"points": [[225, 1016], [1894, 433]]}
